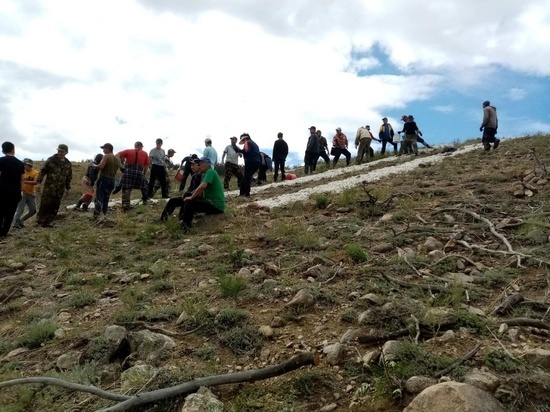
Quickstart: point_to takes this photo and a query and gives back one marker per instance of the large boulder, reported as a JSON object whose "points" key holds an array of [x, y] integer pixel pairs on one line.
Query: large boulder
{"points": [[454, 397], [150, 346]]}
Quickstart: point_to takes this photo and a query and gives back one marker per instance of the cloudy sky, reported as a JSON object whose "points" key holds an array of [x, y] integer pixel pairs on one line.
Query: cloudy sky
{"points": [[89, 72]]}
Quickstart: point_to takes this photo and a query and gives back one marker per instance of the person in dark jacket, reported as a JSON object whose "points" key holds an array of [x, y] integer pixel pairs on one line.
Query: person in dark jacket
{"points": [[11, 183], [411, 131], [489, 126], [88, 182], [175, 202], [186, 167], [323, 149], [252, 162], [385, 134], [267, 164], [312, 151], [280, 152]]}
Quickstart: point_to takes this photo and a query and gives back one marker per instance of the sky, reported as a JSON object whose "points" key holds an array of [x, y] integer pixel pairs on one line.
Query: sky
{"points": [[88, 72]]}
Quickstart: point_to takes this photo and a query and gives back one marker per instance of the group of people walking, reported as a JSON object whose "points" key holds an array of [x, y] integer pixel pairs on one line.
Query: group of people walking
{"points": [[19, 181]]}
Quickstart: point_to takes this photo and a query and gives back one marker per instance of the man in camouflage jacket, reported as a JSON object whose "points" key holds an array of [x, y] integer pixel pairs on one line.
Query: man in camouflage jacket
{"points": [[58, 182]]}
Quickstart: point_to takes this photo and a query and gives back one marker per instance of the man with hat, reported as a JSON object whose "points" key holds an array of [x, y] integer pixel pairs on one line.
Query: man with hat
{"points": [[340, 147], [252, 162], [209, 151], [137, 165], [231, 165], [489, 126], [185, 169], [386, 134], [363, 139], [108, 168], [207, 198], [30, 178], [312, 151], [11, 172], [58, 172]]}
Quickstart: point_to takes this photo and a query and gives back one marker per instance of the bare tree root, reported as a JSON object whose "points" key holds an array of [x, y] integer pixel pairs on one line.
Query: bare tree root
{"points": [[127, 402], [436, 288], [507, 304], [459, 362], [526, 322]]}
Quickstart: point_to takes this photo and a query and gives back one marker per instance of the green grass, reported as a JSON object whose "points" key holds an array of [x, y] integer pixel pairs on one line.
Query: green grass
{"points": [[356, 253], [38, 333], [231, 286]]}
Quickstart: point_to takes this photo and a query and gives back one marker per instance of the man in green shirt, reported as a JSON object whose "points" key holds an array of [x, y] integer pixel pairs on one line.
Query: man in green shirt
{"points": [[108, 168], [207, 198]]}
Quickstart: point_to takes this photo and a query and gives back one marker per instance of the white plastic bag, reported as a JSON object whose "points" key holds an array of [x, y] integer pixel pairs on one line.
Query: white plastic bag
{"points": [[396, 138]]}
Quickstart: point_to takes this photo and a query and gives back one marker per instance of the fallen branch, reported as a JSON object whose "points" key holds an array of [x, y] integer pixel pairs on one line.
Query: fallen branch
{"points": [[539, 163], [382, 338], [69, 385], [526, 322], [192, 386], [127, 402], [422, 286], [459, 362], [156, 329], [507, 304]]}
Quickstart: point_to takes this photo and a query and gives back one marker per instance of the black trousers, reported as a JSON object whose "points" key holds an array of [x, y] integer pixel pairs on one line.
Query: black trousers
{"points": [[338, 152], [158, 172], [8, 206], [249, 170], [325, 157], [278, 164], [384, 143], [199, 205]]}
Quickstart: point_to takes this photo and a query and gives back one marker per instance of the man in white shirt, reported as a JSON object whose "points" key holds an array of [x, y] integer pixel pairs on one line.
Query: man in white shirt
{"points": [[231, 157]]}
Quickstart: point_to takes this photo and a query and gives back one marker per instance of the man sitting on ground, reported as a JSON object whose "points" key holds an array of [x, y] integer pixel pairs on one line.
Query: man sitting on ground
{"points": [[207, 198], [175, 202]]}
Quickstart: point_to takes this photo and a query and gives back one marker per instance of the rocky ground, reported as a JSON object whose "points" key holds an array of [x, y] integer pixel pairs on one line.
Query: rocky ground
{"points": [[386, 279]]}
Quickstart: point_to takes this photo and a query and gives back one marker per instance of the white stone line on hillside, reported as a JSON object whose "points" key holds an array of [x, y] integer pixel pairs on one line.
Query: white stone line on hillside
{"points": [[340, 185]]}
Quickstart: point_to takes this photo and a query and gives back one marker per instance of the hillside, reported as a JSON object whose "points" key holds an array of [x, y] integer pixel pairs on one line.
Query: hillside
{"points": [[425, 256]]}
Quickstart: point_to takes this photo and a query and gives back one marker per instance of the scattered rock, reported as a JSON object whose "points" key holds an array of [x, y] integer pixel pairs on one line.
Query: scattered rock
{"points": [[417, 384], [272, 269], [329, 407], [373, 299], [115, 333], [454, 397], [432, 243], [266, 331], [459, 278], [460, 265], [390, 350], [348, 335], [150, 346], [436, 254], [439, 317], [135, 377], [538, 357], [334, 353], [202, 401], [244, 272], [69, 360], [383, 248], [483, 380], [205, 248], [277, 322], [302, 298], [249, 253], [369, 357], [354, 296]]}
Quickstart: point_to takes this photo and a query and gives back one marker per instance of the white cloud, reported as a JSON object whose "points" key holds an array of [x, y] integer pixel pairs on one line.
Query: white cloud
{"points": [[517, 93], [184, 70]]}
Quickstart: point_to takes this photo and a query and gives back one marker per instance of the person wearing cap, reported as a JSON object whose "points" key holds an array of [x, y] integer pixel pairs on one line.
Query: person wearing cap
{"points": [[280, 152], [363, 139], [209, 151], [411, 131], [312, 151], [231, 165], [88, 181], [167, 166], [175, 202], [489, 126], [323, 149], [137, 166], [386, 134], [185, 169], [252, 162], [340, 147], [156, 158], [28, 198], [208, 198], [11, 180], [108, 168], [59, 173]]}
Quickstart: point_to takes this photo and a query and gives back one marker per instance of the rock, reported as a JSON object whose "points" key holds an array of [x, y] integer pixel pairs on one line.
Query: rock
{"points": [[373, 299], [454, 397], [202, 401], [64, 317], [439, 317], [316, 271], [328, 408], [449, 219], [14, 353], [343, 209], [348, 335], [460, 265], [390, 350], [59, 333], [334, 353], [302, 298], [363, 316], [459, 278], [266, 331], [135, 377], [354, 296], [244, 272], [370, 356], [476, 311], [448, 336], [272, 269], [183, 317], [382, 248], [538, 357], [115, 333], [417, 384], [69, 360], [483, 380], [436, 254], [432, 243], [150, 346], [249, 253], [205, 248], [277, 322]]}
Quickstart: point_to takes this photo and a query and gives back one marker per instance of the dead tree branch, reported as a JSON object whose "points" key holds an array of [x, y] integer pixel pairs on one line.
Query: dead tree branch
{"points": [[507, 304], [459, 362], [436, 288], [526, 322]]}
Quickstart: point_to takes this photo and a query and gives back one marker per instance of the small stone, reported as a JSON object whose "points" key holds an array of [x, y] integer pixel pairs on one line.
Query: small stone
{"points": [[448, 336], [436, 254], [69, 360], [373, 299], [328, 408], [348, 335], [248, 253], [244, 272], [449, 219], [277, 322], [460, 265], [502, 328], [205, 248], [302, 298], [383, 248], [334, 353], [266, 331], [64, 317], [538, 357], [354, 296], [417, 384], [483, 380], [59, 333], [203, 284], [390, 349], [370, 357], [432, 243]]}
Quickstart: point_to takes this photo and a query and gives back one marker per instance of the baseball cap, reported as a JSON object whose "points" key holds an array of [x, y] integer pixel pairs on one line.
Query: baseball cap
{"points": [[108, 145], [368, 127], [63, 148], [27, 161], [312, 127], [384, 118], [171, 151], [203, 160], [208, 140], [138, 144], [233, 137], [338, 129]]}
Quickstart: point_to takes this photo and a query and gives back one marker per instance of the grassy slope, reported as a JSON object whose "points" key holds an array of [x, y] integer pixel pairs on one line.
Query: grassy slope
{"points": [[70, 268]]}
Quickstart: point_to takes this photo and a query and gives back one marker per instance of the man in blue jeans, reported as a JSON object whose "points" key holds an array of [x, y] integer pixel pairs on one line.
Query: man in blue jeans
{"points": [[105, 184]]}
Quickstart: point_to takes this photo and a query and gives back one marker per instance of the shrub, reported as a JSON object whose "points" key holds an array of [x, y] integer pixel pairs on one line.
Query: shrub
{"points": [[231, 285], [37, 333], [242, 341], [322, 200], [79, 300], [229, 318], [355, 252]]}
